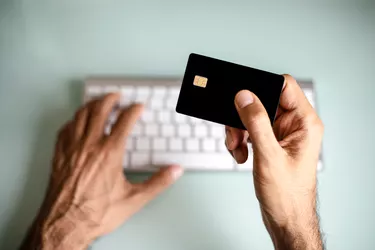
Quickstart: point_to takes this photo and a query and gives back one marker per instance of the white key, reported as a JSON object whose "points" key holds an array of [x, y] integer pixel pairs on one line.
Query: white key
{"points": [[194, 160], [194, 120], [167, 130], [148, 116], [209, 145], [141, 99], [125, 161], [143, 143], [164, 117], [171, 103], [130, 144], [113, 117], [159, 144], [192, 144], [143, 91], [217, 131], [179, 118], [159, 91], [184, 130], [156, 103], [175, 144], [309, 96], [137, 130], [220, 144], [107, 129], [139, 159], [200, 130], [127, 96], [174, 92], [151, 130], [110, 89], [94, 90]]}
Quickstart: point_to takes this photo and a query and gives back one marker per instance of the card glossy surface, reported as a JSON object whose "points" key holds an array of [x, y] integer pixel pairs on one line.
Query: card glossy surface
{"points": [[210, 85]]}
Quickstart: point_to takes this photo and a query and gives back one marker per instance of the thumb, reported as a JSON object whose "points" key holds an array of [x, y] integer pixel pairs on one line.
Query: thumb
{"points": [[161, 181], [255, 118]]}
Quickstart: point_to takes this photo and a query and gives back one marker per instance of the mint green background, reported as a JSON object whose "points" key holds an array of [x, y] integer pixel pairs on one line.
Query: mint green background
{"points": [[48, 47]]}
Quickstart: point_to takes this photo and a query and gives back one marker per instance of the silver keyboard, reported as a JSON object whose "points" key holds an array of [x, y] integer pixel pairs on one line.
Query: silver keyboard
{"points": [[162, 136]]}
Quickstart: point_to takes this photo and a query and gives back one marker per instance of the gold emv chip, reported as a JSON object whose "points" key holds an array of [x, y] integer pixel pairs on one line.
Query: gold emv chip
{"points": [[200, 81]]}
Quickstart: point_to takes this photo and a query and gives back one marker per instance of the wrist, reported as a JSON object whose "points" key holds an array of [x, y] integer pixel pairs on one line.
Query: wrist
{"points": [[65, 234]]}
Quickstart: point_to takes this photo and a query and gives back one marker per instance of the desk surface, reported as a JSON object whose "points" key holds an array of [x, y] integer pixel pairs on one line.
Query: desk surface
{"points": [[47, 48]]}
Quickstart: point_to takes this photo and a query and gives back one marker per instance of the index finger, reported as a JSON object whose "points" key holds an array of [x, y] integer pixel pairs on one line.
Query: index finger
{"points": [[125, 123], [292, 96]]}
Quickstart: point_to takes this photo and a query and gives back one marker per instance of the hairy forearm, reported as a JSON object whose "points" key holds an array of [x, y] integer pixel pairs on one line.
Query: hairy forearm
{"points": [[298, 236]]}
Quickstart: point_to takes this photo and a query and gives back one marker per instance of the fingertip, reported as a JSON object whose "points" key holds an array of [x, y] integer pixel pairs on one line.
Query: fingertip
{"points": [[176, 171], [243, 98], [240, 155]]}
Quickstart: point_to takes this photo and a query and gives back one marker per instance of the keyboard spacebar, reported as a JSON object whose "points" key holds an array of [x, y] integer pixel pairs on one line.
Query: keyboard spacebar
{"points": [[208, 161]]}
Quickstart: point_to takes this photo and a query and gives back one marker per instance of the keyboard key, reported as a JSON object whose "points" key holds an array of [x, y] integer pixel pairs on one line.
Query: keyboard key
{"points": [[125, 161], [167, 130], [127, 91], [94, 91], [200, 130], [110, 89], [113, 117], [184, 130], [208, 145], [164, 117], [139, 159], [220, 144], [143, 143], [148, 116], [159, 91], [107, 129], [217, 131], [171, 103], [151, 130], [130, 144], [141, 99], [137, 130], [194, 120], [192, 145], [159, 144], [174, 92], [143, 91], [156, 104], [180, 118], [194, 160], [175, 144]]}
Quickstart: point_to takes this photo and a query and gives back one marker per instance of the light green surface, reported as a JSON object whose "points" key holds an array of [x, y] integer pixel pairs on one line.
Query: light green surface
{"points": [[48, 47]]}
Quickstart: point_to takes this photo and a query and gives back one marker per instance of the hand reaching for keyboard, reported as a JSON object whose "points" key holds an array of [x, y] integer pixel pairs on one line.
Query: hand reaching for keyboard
{"points": [[285, 164], [88, 194]]}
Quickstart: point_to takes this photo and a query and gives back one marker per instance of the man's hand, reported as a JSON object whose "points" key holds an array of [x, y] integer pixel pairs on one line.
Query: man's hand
{"points": [[285, 163], [88, 194]]}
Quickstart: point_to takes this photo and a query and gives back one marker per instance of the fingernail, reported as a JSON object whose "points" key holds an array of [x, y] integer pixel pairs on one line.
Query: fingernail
{"points": [[177, 172], [244, 98], [238, 155], [229, 138]]}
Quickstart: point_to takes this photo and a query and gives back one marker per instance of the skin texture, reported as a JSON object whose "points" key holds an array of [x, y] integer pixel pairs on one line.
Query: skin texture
{"points": [[89, 196], [285, 163]]}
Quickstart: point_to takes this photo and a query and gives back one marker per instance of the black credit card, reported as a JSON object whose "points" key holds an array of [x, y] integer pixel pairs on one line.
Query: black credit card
{"points": [[210, 85]]}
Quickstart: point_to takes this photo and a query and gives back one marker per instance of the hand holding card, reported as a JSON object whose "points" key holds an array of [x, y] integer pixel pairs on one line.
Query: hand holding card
{"points": [[210, 85]]}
